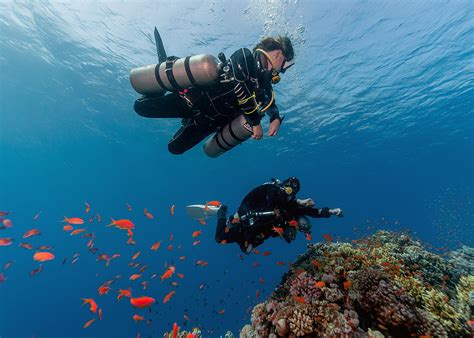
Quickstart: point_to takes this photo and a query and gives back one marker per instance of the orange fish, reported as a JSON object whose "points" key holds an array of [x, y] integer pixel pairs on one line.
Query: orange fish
{"points": [[4, 213], [202, 263], [280, 263], [196, 233], [196, 243], [129, 207], [77, 231], [135, 276], [170, 247], [255, 251], [137, 318], [235, 220], [299, 299], [174, 284], [86, 325], [156, 246], [122, 293], [67, 227], [7, 223], [168, 296], [26, 246], [328, 237], [257, 293], [266, 253], [147, 214], [278, 230], [180, 275], [136, 255], [88, 207], [100, 314], [168, 273], [174, 333], [43, 256], [221, 312], [171, 237], [347, 284], [182, 258], [308, 237], [73, 220], [91, 302], [172, 210], [30, 233], [99, 219], [142, 302], [293, 223], [6, 241], [103, 289], [203, 222], [122, 224], [320, 284]]}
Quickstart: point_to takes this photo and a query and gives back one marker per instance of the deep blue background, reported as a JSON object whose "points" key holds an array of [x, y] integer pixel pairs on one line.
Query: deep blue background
{"points": [[379, 121]]}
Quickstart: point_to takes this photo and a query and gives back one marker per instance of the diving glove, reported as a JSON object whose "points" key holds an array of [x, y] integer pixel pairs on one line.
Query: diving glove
{"points": [[336, 212]]}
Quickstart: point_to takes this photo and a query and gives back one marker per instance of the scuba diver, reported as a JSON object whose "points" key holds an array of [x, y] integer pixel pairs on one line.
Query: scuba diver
{"points": [[211, 95], [270, 210]]}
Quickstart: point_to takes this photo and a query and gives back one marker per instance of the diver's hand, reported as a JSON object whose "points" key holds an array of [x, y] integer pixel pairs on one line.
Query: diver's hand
{"points": [[257, 132], [336, 212], [274, 127], [308, 202]]}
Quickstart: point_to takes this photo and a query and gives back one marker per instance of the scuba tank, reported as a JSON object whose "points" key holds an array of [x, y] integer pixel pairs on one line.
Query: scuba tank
{"points": [[234, 133], [176, 74]]}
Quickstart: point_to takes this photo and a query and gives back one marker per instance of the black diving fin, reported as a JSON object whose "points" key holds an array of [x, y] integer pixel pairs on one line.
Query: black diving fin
{"points": [[160, 49]]}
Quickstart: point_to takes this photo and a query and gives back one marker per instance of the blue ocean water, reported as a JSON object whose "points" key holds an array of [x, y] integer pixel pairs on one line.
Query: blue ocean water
{"points": [[379, 121]]}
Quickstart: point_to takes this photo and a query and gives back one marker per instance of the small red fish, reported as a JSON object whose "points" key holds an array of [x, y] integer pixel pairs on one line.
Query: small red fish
{"points": [[203, 222], [6, 241], [67, 227], [142, 302], [88, 207], [103, 289], [156, 246], [196, 233], [280, 263], [168, 296], [278, 230], [137, 318], [135, 256], [122, 293], [299, 299], [174, 333], [129, 207], [147, 214], [43, 256], [77, 232], [73, 220], [221, 312], [293, 223], [182, 258], [257, 293], [30, 233], [170, 247], [135, 276], [168, 273], [180, 275], [26, 246], [172, 210], [308, 237], [266, 253], [328, 237], [196, 243], [122, 224], [100, 314], [347, 284], [87, 324], [7, 223], [91, 302]]}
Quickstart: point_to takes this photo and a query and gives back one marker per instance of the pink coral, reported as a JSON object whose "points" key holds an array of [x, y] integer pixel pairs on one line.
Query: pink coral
{"points": [[304, 285]]}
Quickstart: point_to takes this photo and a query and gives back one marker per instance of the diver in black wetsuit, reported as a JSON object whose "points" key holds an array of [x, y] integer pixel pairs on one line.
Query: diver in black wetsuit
{"points": [[266, 209], [249, 92]]}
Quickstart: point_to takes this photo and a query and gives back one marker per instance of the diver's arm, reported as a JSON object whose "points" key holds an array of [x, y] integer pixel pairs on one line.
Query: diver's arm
{"points": [[319, 212]]}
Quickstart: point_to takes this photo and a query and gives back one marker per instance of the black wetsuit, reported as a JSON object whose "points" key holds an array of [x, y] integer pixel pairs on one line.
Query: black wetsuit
{"points": [[267, 197], [205, 110]]}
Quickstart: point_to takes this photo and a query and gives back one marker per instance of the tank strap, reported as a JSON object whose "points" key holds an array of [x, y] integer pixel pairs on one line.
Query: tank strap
{"points": [[158, 78], [233, 134], [169, 72], [219, 144], [188, 71]]}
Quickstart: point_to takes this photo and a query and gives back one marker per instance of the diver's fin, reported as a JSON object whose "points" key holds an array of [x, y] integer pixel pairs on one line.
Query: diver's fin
{"points": [[198, 211], [160, 49]]}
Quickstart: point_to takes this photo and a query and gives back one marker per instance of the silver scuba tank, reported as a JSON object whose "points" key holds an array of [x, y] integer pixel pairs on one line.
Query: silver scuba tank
{"points": [[234, 133], [176, 74]]}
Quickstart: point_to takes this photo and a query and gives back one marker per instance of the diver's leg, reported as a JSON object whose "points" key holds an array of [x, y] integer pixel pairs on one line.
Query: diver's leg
{"points": [[170, 105], [188, 136]]}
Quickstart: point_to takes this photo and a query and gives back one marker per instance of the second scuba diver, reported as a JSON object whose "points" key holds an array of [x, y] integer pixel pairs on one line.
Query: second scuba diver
{"points": [[270, 210], [243, 86]]}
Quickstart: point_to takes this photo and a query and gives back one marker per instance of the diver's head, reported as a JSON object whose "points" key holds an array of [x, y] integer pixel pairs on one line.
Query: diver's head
{"points": [[291, 186], [304, 225], [276, 55]]}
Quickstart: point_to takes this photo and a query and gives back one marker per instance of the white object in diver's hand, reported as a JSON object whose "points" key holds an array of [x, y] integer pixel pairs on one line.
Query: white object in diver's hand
{"points": [[199, 211], [336, 212]]}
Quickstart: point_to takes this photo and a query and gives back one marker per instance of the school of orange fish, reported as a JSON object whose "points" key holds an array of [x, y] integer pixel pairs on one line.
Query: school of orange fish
{"points": [[78, 226]]}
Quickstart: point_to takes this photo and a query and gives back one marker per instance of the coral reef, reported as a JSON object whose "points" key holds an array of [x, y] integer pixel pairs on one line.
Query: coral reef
{"points": [[385, 285]]}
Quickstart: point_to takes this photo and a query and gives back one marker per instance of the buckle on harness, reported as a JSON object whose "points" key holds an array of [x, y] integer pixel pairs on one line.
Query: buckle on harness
{"points": [[182, 94]]}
